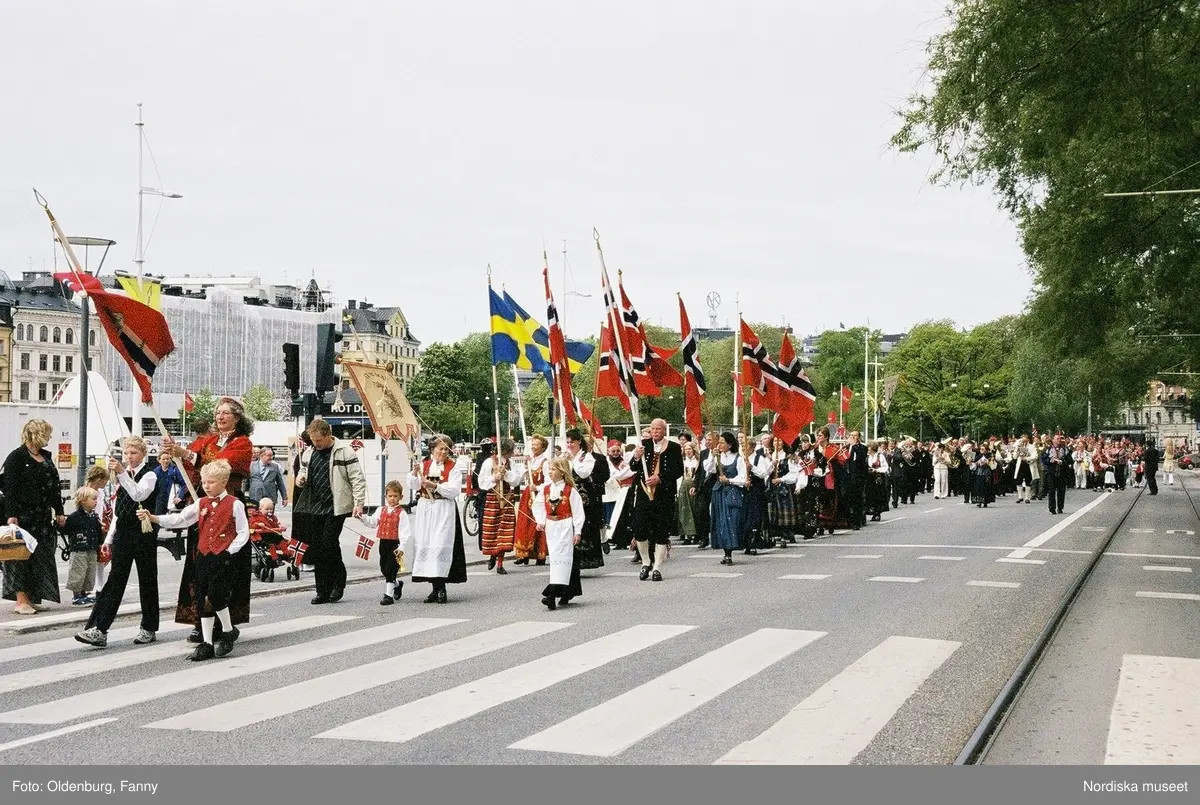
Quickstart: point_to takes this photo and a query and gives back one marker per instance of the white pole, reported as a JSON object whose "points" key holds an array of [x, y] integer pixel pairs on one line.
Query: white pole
{"points": [[866, 381], [737, 361], [139, 260]]}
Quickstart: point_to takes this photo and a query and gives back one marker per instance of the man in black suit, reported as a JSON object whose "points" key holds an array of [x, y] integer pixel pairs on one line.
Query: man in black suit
{"points": [[657, 466], [1058, 470], [1150, 467], [857, 467]]}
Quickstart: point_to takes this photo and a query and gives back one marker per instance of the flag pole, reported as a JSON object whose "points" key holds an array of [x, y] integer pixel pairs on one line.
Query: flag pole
{"points": [[163, 430], [558, 392], [866, 381]]}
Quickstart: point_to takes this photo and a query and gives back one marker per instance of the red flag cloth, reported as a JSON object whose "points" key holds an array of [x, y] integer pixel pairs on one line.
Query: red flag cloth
{"points": [[189, 404], [753, 355], [138, 332], [587, 416], [847, 395], [637, 350], [831, 418], [560, 369], [761, 374], [801, 397], [693, 375], [611, 381], [365, 544]]}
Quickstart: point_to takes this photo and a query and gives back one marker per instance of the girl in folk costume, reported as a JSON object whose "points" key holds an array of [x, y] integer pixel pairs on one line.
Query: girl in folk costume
{"points": [[1169, 461], [589, 473], [877, 486], [393, 533], [528, 541], [499, 479], [781, 499], [684, 499], [558, 510], [438, 554], [229, 441], [223, 531], [733, 474]]}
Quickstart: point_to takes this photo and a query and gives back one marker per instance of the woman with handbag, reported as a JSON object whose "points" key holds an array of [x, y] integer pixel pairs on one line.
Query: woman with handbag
{"points": [[33, 502]]}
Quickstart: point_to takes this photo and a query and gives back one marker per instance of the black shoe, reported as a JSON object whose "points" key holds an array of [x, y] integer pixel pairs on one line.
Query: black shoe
{"points": [[386, 601], [223, 647], [492, 563], [549, 602], [195, 637], [539, 563], [320, 599], [432, 598], [562, 602], [500, 571], [656, 576], [636, 560], [605, 547], [204, 651], [645, 574], [441, 596], [524, 561], [336, 595]]}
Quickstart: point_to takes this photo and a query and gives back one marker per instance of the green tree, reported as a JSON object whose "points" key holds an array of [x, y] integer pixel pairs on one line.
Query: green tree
{"points": [[260, 404], [1054, 105], [204, 407], [455, 384]]}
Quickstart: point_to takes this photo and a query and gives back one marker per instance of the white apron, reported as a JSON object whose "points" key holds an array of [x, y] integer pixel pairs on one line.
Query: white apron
{"points": [[560, 545]]}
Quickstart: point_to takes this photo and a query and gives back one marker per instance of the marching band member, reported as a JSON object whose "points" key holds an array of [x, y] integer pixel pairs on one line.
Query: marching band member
{"points": [[1022, 469], [438, 554], [559, 512], [528, 542], [499, 480], [877, 488]]}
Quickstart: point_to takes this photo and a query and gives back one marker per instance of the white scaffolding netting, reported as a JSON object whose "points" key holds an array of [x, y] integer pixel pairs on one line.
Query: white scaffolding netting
{"points": [[224, 345]]}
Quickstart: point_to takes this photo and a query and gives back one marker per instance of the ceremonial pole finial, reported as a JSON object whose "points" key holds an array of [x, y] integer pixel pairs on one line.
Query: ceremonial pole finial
{"points": [[489, 273], [596, 235]]}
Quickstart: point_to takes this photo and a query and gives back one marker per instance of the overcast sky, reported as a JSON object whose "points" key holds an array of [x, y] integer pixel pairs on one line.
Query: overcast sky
{"points": [[394, 150]]}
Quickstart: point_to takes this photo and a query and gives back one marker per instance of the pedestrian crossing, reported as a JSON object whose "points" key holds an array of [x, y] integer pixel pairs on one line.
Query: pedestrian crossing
{"points": [[688, 673]]}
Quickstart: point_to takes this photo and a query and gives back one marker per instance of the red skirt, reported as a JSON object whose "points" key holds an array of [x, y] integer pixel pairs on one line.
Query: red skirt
{"points": [[499, 525]]}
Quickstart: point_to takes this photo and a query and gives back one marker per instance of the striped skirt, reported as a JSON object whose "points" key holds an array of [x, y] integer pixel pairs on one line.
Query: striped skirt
{"points": [[499, 524]]}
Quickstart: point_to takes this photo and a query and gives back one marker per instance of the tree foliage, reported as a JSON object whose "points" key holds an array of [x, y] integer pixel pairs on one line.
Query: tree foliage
{"points": [[1054, 104], [204, 407], [260, 404], [453, 391]]}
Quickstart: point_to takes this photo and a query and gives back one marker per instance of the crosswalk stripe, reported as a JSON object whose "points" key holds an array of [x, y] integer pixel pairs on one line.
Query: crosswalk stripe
{"points": [[1153, 718], [839, 720], [805, 577], [612, 727], [102, 662], [416, 718], [897, 579], [45, 736], [943, 558], [625, 574], [713, 575], [212, 672], [303, 695], [1005, 585], [861, 556], [64, 644], [1018, 561], [1168, 568]]}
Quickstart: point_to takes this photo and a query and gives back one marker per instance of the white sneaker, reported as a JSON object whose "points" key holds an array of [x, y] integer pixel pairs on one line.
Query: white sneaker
{"points": [[143, 637], [93, 637]]}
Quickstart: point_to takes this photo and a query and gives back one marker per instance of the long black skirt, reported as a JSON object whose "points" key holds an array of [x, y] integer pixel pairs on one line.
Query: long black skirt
{"points": [[36, 576], [239, 598], [572, 589], [458, 562]]}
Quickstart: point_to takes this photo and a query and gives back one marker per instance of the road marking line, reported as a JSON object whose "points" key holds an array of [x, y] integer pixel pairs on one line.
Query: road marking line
{"points": [[1007, 585], [624, 574], [45, 736], [805, 577], [1153, 719], [897, 579], [861, 556], [1168, 568], [1021, 561], [943, 558], [929, 511], [422, 716], [1181, 531], [892, 520], [714, 575], [1141, 531], [1054, 530], [65, 644], [1020, 553], [1171, 596], [1092, 528], [213, 672], [1184, 557], [612, 727], [278, 702], [102, 662], [837, 722]]}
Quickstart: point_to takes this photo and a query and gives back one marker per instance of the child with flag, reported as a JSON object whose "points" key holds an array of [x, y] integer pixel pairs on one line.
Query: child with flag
{"points": [[393, 532]]}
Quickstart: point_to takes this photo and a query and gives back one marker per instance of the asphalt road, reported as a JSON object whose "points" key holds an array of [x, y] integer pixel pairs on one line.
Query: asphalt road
{"points": [[882, 646]]}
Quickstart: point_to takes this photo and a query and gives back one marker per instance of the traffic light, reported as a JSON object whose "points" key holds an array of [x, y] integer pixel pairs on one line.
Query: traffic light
{"points": [[327, 339], [291, 368]]}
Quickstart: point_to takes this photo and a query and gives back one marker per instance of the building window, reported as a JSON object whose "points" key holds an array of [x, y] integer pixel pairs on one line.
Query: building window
{"points": [[24, 390], [2, 348], [25, 361], [41, 392], [57, 363], [1170, 417], [20, 332], [44, 333], [70, 364], [91, 338], [54, 390], [70, 335], [1158, 417], [42, 363], [57, 337], [1136, 418]]}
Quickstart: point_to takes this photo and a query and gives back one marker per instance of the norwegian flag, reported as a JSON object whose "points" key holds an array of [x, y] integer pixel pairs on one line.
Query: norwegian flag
{"points": [[584, 413], [365, 544], [651, 371], [612, 380], [621, 347], [296, 549], [800, 397], [693, 375], [847, 396], [559, 368]]}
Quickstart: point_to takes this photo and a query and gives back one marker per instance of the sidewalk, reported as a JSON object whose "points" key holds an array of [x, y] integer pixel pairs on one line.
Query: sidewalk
{"points": [[170, 571]]}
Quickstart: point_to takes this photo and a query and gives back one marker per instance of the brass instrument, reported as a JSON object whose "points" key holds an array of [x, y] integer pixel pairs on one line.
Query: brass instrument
{"points": [[399, 554]]}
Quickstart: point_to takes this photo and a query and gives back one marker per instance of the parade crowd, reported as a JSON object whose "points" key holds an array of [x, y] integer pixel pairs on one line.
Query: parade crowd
{"points": [[568, 507]]}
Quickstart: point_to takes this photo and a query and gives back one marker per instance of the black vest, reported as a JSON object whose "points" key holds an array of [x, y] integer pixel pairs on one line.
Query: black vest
{"points": [[126, 507]]}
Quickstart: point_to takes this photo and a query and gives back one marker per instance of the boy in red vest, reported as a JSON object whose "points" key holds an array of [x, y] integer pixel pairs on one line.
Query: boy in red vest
{"points": [[391, 524], [223, 531]]}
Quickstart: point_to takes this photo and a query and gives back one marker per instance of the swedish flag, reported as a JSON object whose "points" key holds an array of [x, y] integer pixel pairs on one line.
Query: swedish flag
{"points": [[510, 337], [536, 350]]}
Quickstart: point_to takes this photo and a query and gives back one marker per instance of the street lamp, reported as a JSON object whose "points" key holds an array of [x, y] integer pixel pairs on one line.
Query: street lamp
{"points": [[84, 389]]}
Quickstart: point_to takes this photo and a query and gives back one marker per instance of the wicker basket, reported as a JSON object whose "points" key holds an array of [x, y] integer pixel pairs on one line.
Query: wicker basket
{"points": [[14, 551]]}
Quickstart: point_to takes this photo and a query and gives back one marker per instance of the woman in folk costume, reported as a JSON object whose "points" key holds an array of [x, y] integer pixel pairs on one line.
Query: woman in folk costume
{"points": [[499, 479], [877, 486], [830, 464], [807, 489], [981, 492], [733, 474], [684, 500], [618, 490], [781, 497], [228, 441], [528, 541], [1024, 459], [589, 473], [559, 511], [438, 553]]}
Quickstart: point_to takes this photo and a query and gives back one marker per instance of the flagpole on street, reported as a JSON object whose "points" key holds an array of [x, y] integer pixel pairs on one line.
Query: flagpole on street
{"points": [[866, 381], [737, 363]]}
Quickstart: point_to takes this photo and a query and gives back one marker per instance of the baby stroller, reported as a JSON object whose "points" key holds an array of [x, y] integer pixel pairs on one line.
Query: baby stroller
{"points": [[270, 553]]}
